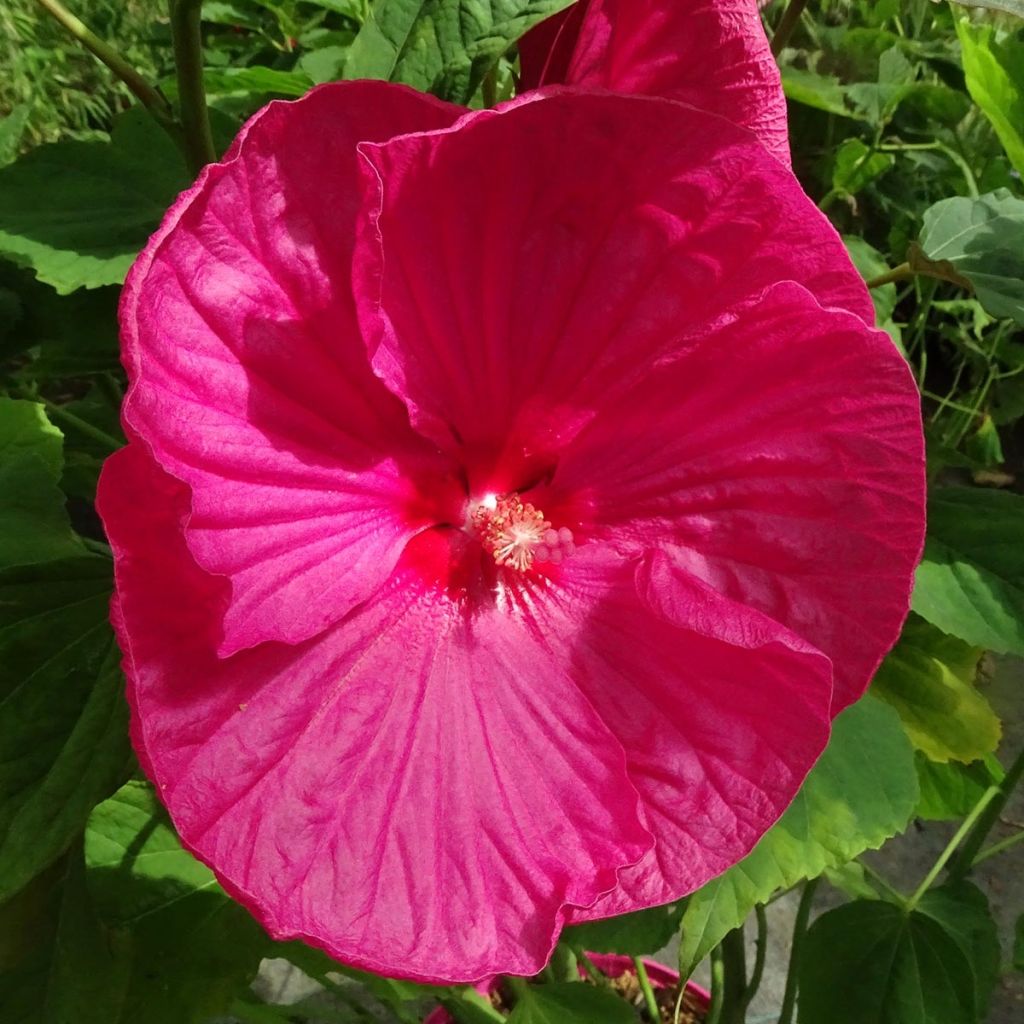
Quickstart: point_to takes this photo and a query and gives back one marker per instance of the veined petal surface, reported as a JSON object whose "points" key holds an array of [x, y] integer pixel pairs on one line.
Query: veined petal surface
{"points": [[712, 54], [611, 229], [248, 374]]}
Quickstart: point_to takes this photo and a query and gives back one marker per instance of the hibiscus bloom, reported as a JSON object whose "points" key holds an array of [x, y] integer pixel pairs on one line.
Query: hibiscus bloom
{"points": [[501, 525]]}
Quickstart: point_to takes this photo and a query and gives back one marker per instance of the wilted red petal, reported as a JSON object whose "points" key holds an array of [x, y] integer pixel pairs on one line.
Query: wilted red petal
{"points": [[611, 227], [249, 376], [781, 457], [711, 53]]}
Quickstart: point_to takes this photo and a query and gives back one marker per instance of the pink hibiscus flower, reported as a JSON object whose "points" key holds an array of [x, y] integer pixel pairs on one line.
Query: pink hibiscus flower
{"points": [[502, 526], [711, 53]]}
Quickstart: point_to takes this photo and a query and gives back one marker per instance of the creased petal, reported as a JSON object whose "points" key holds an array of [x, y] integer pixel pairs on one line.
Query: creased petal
{"points": [[611, 228], [249, 376], [419, 790], [721, 711], [781, 458], [710, 53]]}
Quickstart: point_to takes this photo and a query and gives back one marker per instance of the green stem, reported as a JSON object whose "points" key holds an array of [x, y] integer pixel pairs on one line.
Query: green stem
{"points": [[717, 979], [995, 848], [61, 415], [900, 273], [148, 95], [563, 964], [186, 33], [789, 21], [803, 916], [894, 895], [760, 952], [972, 847], [592, 970], [966, 825], [735, 956], [645, 986]]}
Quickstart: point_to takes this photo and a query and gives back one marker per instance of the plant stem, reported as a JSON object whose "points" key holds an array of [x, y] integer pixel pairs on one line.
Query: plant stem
{"points": [[900, 273], [786, 26], [966, 825], [735, 981], [717, 979], [760, 952], [563, 964], [995, 848], [645, 986], [61, 415], [592, 970], [894, 895], [803, 915], [148, 95], [186, 33], [972, 847]]}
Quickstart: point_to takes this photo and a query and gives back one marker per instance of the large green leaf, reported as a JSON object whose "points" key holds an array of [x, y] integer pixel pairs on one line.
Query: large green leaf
{"points": [[963, 911], [64, 966], [638, 934], [63, 720], [33, 524], [928, 677], [861, 792], [869, 962], [978, 243], [444, 46], [949, 791], [194, 949], [994, 69], [570, 1003], [971, 581], [77, 213]]}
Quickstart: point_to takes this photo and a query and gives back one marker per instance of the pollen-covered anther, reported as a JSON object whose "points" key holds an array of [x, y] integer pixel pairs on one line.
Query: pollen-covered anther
{"points": [[516, 534]]}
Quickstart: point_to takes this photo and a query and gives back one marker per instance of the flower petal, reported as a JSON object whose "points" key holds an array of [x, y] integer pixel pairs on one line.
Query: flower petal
{"points": [[610, 228], [710, 53], [249, 375], [781, 457], [419, 790], [721, 711]]}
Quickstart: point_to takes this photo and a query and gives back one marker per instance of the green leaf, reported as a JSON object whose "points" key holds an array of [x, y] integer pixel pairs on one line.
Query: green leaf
{"points": [[869, 962], [12, 128], [857, 165], [871, 263], [195, 949], [861, 792], [638, 934], [963, 911], [994, 69], [977, 242], [63, 720], [928, 677], [821, 92], [441, 46], [77, 213], [949, 791], [971, 581], [570, 1003], [264, 81], [33, 524], [66, 967]]}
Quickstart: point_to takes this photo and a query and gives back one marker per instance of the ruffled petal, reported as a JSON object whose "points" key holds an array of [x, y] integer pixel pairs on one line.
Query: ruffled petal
{"points": [[781, 458], [249, 376], [420, 790], [710, 53], [610, 228], [721, 712]]}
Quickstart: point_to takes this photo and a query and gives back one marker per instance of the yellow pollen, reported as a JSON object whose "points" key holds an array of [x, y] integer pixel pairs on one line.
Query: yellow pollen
{"points": [[510, 529]]}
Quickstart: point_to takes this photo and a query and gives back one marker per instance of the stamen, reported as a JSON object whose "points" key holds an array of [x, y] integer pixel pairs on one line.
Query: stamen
{"points": [[516, 534]]}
